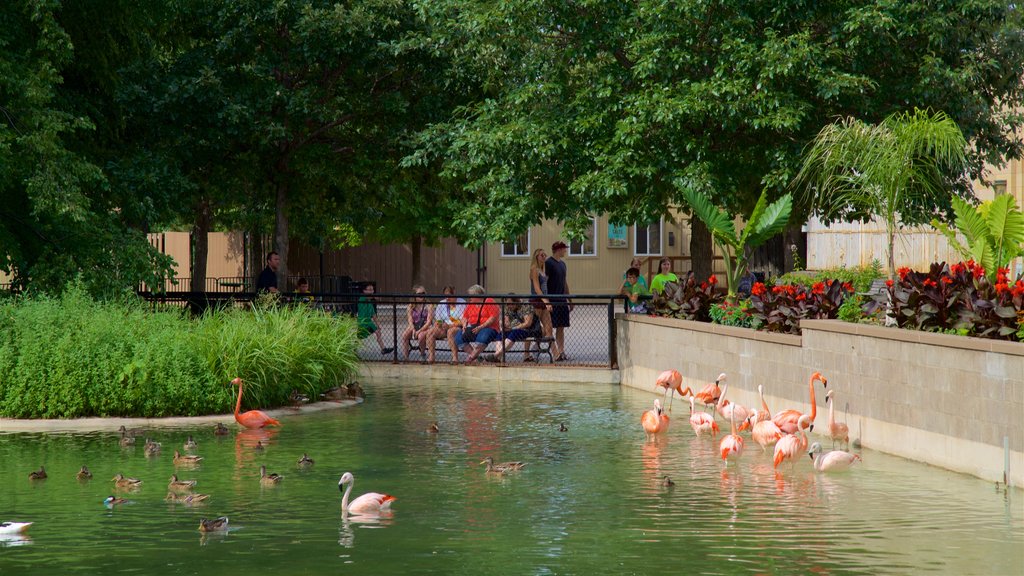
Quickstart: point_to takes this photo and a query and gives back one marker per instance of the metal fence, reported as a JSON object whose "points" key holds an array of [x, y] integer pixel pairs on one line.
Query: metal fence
{"points": [[242, 284], [589, 339]]}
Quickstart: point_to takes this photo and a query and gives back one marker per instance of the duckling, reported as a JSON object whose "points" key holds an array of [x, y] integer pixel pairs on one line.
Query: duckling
{"points": [[503, 467], [433, 429], [305, 461], [297, 398], [176, 485], [337, 393], [269, 479], [84, 474], [190, 444], [562, 427], [126, 440], [186, 498], [221, 430], [259, 446], [127, 483], [152, 448], [111, 501], [667, 482], [215, 525], [38, 474], [186, 459]]}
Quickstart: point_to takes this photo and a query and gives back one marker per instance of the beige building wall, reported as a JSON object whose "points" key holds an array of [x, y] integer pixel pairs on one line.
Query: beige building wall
{"points": [[950, 401], [597, 273]]}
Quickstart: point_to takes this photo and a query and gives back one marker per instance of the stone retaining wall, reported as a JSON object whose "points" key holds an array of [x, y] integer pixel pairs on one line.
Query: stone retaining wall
{"points": [[950, 401]]}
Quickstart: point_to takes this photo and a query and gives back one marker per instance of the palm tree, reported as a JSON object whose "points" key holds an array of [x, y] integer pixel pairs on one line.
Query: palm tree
{"points": [[855, 170], [994, 232]]}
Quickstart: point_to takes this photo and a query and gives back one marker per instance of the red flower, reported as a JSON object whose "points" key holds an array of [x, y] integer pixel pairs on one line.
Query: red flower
{"points": [[758, 289], [801, 297], [1001, 274], [929, 282], [703, 285], [818, 288], [1002, 288], [848, 286], [957, 269], [778, 289], [947, 280], [888, 283], [712, 280], [903, 272]]}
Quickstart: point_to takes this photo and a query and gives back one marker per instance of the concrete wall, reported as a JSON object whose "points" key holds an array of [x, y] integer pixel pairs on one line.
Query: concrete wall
{"points": [[946, 400]]}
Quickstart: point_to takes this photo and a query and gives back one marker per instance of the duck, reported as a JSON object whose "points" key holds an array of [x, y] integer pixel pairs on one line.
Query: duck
{"points": [[259, 447], [562, 427], [433, 429], [355, 390], [271, 479], [152, 448], [186, 498], [133, 432], [186, 459], [121, 481], [176, 485], [305, 461], [190, 444], [668, 482], [297, 398], [221, 430], [38, 474], [13, 527], [126, 439], [337, 393], [111, 501], [215, 525], [503, 467], [84, 474]]}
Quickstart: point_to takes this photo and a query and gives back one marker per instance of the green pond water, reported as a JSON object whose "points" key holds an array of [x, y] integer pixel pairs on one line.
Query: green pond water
{"points": [[590, 500]]}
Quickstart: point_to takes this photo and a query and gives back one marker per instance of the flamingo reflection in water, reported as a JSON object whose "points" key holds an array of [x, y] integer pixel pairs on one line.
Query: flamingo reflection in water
{"points": [[246, 442], [346, 532]]}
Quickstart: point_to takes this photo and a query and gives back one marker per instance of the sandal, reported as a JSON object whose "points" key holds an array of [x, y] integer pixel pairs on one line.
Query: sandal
{"points": [[529, 359]]}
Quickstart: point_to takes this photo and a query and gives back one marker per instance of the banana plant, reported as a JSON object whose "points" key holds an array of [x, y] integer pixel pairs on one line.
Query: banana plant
{"points": [[765, 221], [994, 232]]}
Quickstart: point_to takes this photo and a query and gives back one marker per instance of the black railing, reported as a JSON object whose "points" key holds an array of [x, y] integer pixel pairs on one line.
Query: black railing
{"points": [[237, 284], [589, 340]]}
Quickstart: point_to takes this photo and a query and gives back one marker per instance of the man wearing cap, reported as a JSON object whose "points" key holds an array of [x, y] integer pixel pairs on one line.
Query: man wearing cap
{"points": [[555, 270]]}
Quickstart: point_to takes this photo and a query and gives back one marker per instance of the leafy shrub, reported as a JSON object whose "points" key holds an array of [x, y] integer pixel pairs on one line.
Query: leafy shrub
{"points": [[860, 277], [72, 356], [727, 314], [958, 297], [688, 300], [852, 309], [781, 307]]}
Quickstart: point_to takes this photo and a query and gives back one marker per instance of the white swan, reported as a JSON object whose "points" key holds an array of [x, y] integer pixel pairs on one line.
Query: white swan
{"points": [[13, 527], [369, 503]]}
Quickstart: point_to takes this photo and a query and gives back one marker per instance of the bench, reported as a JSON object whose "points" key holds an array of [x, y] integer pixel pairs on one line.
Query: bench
{"points": [[877, 288], [541, 345]]}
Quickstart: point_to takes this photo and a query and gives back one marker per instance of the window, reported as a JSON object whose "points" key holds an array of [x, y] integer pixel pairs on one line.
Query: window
{"points": [[647, 239], [999, 187], [588, 245], [520, 246]]}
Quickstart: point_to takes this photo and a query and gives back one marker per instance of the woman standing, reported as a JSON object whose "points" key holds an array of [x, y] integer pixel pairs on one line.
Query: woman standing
{"points": [[539, 289], [665, 275]]}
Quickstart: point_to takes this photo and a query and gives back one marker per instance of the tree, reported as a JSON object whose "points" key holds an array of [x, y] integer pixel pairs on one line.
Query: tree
{"points": [[994, 232], [599, 107], [895, 170]]}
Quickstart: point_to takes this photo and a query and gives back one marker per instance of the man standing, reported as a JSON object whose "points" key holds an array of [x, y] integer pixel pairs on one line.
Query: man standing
{"points": [[555, 270], [267, 281]]}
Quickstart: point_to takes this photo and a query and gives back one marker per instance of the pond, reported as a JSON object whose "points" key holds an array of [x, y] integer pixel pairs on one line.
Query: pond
{"points": [[589, 501]]}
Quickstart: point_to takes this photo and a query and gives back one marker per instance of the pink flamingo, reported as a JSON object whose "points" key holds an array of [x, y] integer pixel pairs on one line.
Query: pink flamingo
{"points": [[710, 393], [671, 380], [252, 418], [730, 409], [731, 447], [758, 415], [833, 461], [702, 422], [838, 431], [790, 445], [369, 503], [787, 419], [764, 432], [654, 421]]}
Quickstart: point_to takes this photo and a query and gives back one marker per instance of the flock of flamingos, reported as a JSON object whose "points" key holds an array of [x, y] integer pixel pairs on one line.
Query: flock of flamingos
{"points": [[786, 430], [371, 503]]}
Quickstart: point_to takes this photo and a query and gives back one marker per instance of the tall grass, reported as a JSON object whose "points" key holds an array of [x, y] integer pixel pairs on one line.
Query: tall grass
{"points": [[73, 356]]}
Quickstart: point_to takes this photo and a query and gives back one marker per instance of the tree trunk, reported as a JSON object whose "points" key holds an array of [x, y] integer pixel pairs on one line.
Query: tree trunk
{"points": [[701, 249], [417, 259], [281, 235], [200, 244], [257, 258]]}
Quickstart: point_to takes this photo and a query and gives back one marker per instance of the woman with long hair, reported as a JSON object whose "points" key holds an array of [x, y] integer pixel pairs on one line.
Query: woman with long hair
{"points": [[541, 305]]}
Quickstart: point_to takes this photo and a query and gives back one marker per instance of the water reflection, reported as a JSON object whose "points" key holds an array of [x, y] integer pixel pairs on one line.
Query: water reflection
{"points": [[12, 540], [346, 531]]}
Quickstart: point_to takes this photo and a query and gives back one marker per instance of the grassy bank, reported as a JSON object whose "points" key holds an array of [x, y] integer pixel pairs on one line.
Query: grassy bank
{"points": [[73, 356]]}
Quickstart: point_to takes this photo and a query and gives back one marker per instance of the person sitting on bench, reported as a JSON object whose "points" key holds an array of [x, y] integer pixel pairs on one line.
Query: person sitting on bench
{"points": [[479, 325], [520, 323]]}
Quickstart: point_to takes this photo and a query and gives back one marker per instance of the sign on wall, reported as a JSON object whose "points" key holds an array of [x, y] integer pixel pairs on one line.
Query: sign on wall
{"points": [[617, 236]]}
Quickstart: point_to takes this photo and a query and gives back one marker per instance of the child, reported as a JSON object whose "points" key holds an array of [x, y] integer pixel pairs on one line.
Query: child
{"points": [[302, 292], [366, 316], [634, 290]]}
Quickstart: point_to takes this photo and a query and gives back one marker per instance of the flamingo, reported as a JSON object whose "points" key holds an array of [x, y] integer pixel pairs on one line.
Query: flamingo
{"points": [[13, 527], [789, 445], [764, 431], [731, 447], [671, 380], [787, 419], [702, 422], [832, 461], [654, 421], [252, 418], [369, 503], [836, 430], [711, 392], [758, 415], [729, 409]]}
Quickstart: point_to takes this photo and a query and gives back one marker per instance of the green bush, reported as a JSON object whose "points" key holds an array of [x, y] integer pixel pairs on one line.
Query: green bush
{"points": [[860, 276], [73, 356], [728, 314]]}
